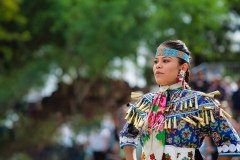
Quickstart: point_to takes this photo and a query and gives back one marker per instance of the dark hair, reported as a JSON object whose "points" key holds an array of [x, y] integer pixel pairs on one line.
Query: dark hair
{"points": [[181, 46]]}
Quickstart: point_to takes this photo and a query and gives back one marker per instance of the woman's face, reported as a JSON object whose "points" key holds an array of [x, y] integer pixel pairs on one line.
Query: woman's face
{"points": [[166, 69]]}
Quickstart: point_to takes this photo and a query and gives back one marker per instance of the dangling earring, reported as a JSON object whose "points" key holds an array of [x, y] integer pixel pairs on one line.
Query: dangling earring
{"points": [[180, 76]]}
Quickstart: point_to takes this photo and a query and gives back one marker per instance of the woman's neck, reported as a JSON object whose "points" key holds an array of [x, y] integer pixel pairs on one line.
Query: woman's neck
{"points": [[170, 87]]}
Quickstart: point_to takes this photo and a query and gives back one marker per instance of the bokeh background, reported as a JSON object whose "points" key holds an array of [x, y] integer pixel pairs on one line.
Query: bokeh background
{"points": [[67, 67]]}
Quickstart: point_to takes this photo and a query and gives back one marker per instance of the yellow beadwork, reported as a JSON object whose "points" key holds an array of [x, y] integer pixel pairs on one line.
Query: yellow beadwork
{"points": [[169, 123], [190, 103], [196, 102], [206, 117], [175, 122], [211, 115]]}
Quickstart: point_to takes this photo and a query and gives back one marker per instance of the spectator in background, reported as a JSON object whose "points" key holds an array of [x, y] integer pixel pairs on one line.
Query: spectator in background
{"points": [[236, 102], [200, 83], [99, 141], [119, 121], [216, 85]]}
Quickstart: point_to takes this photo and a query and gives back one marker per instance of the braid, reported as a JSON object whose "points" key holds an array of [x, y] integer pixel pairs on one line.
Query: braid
{"points": [[187, 78]]}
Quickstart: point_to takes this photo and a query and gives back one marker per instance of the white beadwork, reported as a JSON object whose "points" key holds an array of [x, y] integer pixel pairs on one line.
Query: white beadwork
{"points": [[232, 148], [238, 147], [225, 148], [219, 149]]}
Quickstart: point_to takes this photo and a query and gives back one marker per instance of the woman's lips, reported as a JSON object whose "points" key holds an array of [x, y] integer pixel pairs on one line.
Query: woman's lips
{"points": [[158, 72]]}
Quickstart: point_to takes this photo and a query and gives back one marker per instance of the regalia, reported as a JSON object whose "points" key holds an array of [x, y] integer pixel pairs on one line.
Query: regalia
{"points": [[174, 127]]}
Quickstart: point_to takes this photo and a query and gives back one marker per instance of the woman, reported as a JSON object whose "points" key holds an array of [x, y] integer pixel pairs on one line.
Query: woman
{"points": [[172, 123]]}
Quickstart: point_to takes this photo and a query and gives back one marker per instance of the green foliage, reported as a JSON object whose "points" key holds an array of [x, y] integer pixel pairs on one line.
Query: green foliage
{"points": [[197, 23], [88, 34], [234, 6], [18, 82], [11, 32], [96, 32], [20, 156]]}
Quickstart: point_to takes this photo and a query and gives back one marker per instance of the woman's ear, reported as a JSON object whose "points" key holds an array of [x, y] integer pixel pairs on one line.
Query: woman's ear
{"points": [[184, 67]]}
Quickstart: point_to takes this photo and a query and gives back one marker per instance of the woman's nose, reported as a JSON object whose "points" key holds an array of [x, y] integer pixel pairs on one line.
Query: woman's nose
{"points": [[159, 65]]}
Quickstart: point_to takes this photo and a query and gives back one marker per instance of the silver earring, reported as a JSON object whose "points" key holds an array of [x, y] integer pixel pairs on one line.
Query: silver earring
{"points": [[182, 75]]}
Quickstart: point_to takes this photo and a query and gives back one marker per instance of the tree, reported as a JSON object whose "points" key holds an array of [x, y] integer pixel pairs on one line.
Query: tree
{"points": [[80, 43], [12, 33]]}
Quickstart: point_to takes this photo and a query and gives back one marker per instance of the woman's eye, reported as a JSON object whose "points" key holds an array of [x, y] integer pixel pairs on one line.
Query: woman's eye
{"points": [[155, 61], [166, 61]]}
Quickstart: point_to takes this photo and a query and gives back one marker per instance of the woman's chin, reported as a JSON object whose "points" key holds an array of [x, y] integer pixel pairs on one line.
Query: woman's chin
{"points": [[161, 83]]}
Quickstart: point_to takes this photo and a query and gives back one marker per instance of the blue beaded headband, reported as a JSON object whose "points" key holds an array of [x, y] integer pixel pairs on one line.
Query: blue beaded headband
{"points": [[169, 52]]}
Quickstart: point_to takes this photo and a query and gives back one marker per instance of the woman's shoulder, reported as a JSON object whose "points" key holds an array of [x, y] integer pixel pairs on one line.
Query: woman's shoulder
{"points": [[191, 105], [140, 96], [139, 108], [194, 100], [201, 98], [199, 94]]}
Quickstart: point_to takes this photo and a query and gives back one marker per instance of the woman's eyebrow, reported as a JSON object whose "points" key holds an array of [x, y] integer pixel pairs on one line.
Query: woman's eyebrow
{"points": [[167, 57]]}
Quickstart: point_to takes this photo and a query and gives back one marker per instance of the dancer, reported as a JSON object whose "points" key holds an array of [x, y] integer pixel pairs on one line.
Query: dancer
{"points": [[172, 123]]}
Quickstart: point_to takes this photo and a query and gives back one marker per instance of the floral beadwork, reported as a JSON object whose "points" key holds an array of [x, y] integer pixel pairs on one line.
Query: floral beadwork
{"points": [[152, 157], [188, 118], [143, 157], [166, 157]]}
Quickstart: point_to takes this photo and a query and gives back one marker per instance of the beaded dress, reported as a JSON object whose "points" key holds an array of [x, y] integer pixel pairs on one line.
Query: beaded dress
{"points": [[172, 123]]}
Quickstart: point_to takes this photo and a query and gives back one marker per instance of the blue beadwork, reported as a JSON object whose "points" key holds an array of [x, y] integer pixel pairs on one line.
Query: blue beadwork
{"points": [[174, 53], [186, 135]]}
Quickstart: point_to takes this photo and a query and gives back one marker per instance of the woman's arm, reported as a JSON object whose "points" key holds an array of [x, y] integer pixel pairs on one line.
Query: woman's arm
{"points": [[210, 147], [130, 152], [223, 134]]}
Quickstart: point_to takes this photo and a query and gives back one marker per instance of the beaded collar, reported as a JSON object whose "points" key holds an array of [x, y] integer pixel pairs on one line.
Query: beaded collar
{"points": [[171, 87]]}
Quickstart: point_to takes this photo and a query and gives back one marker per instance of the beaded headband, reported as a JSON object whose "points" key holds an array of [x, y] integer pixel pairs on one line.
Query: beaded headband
{"points": [[169, 52]]}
